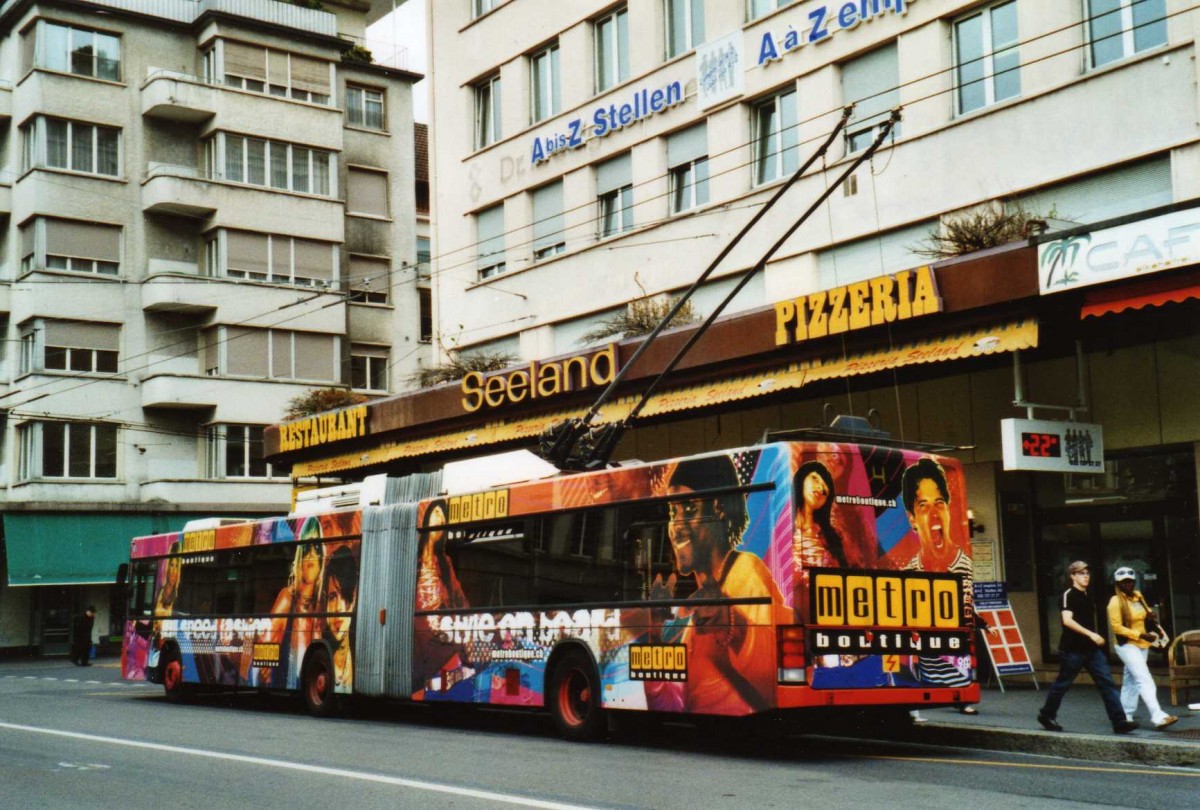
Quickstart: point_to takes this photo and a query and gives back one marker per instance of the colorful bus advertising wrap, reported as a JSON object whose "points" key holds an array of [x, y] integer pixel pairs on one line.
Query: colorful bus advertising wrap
{"points": [[675, 577], [299, 586]]}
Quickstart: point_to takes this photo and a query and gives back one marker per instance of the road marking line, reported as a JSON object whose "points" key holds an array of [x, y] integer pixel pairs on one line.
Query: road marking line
{"points": [[1094, 768], [475, 793], [70, 680], [91, 681]]}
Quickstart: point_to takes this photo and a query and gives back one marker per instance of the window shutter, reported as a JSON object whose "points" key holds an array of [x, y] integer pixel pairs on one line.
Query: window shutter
{"points": [[367, 193], [870, 83], [310, 74], [247, 251], [687, 145], [489, 233], [313, 259], [874, 256], [277, 67], [82, 335], [314, 356], [28, 237], [365, 350], [83, 240], [246, 60], [548, 216], [367, 274], [613, 174], [1105, 195], [246, 351]]}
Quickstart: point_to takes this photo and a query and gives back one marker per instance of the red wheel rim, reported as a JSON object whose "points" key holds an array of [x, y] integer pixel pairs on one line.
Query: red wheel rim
{"points": [[574, 697], [173, 676], [318, 685]]}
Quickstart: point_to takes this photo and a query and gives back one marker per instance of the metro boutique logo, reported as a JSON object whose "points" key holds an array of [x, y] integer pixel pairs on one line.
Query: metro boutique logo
{"points": [[606, 120]]}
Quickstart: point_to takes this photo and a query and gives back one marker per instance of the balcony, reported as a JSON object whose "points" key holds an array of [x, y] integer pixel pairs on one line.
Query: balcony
{"points": [[176, 96], [177, 190], [177, 292], [260, 495], [183, 190], [5, 199], [179, 391], [173, 96]]}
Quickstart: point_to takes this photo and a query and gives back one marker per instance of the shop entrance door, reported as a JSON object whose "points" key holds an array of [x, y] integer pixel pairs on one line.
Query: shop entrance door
{"points": [[1106, 537], [56, 606]]}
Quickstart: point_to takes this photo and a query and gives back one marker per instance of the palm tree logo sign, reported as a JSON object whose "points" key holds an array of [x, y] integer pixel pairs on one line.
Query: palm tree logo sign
{"points": [[1062, 253]]}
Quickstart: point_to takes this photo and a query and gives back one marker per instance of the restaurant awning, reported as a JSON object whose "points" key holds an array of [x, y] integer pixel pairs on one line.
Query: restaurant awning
{"points": [[1003, 337], [1148, 293]]}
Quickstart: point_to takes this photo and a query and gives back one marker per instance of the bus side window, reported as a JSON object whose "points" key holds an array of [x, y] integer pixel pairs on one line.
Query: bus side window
{"points": [[141, 589], [269, 576]]}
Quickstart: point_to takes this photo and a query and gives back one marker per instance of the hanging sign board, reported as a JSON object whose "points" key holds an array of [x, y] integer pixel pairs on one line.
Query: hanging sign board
{"points": [[1041, 445], [1006, 645]]}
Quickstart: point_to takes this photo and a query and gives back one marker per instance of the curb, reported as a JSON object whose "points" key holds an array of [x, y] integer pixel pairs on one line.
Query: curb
{"points": [[1099, 747]]}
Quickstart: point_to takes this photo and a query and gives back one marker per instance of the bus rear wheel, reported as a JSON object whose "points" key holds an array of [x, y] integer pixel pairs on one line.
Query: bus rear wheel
{"points": [[317, 684], [172, 678], [574, 697]]}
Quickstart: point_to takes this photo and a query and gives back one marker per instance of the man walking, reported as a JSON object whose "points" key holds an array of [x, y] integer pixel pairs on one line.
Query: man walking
{"points": [[1082, 647], [81, 643]]}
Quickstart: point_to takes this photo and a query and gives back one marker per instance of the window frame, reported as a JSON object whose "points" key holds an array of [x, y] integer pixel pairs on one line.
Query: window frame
{"points": [[217, 163], [369, 362], [616, 20], [362, 108], [1128, 37], [489, 269], [35, 151], [40, 259], [217, 446], [987, 60], [774, 148], [693, 190], [33, 448], [553, 94], [41, 46], [691, 37], [488, 94], [615, 204], [268, 86], [217, 251]]}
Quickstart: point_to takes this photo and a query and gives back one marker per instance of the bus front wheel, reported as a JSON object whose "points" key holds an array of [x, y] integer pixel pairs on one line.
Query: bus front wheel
{"points": [[574, 697], [317, 684]]}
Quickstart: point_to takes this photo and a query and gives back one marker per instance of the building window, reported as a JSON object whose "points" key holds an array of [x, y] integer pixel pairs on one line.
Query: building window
{"points": [[487, 111], [370, 279], [481, 7], [489, 239], [871, 83], [368, 367], [63, 244], [275, 354], [543, 92], [424, 254], [279, 259], [364, 107], [425, 302], [78, 346], [281, 74], [612, 49], [1120, 28], [776, 140], [614, 193], [548, 236], [685, 25], [367, 192], [760, 7], [986, 59], [687, 161], [81, 51], [235, 451], [68, 450], [57, 144], [272, 164]]}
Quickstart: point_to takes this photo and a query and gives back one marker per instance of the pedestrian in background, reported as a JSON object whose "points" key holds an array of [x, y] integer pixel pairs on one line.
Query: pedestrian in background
{"points": [[1081, 647], [81, 642], [1134, 628]]}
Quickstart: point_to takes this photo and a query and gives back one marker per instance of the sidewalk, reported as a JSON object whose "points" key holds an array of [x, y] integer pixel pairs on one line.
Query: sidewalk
{"points": [[1007, 721]]}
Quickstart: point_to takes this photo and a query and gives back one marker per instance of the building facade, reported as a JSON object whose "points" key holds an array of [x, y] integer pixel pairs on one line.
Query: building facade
{"points": [[208, 209], [589, 154]]}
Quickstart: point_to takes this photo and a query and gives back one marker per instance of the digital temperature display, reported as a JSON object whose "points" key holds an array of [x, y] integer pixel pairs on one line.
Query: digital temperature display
{"points": [[1041, 445]]}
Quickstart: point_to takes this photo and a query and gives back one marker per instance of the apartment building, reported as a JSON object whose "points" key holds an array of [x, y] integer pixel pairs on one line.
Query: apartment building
{"points": [[208, 209], [591, 153]]}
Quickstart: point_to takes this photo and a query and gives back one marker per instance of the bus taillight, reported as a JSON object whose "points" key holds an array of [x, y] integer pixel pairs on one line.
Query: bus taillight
{"points": [[791, 655]]}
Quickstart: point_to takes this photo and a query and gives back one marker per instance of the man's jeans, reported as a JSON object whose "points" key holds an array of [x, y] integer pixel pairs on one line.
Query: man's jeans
{"points": [[1097, 666]]}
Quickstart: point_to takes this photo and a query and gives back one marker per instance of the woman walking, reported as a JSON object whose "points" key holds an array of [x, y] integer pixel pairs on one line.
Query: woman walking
{"points": [[1131, 622]]}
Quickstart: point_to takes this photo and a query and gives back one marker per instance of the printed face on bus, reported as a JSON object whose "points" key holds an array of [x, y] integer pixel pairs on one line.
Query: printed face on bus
{"points": [[310, 567], [694, 529], [436, 517], [930, 517], [815, 492], [338, 602]]}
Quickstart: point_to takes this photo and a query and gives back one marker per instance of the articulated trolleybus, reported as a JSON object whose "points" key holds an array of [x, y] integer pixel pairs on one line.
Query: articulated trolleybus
{"points": [[767, 579]]}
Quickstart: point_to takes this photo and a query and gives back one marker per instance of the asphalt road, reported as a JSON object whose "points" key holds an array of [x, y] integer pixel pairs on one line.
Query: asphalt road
{"points": [[75, 738]]}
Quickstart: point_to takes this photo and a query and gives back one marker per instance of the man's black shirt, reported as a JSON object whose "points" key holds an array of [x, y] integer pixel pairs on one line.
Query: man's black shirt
{"points": [[1083, 611]]}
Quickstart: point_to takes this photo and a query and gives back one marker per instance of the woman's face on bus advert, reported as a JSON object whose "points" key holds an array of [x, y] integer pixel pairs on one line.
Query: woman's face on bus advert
{"points": [[816, 493]]}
